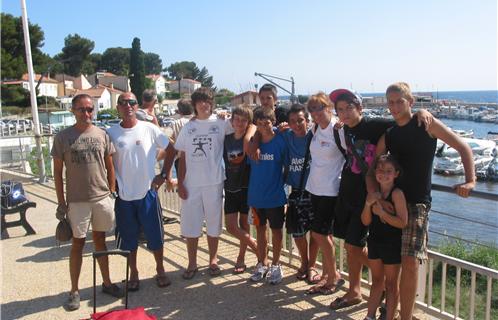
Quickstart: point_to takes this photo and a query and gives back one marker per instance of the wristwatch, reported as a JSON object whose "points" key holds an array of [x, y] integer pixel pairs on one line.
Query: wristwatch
{"points": [[163, 175], [114, 195]]}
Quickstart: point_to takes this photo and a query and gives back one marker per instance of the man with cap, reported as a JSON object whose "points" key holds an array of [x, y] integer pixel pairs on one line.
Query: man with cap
{"points": [[361, 135], [86, 152]]}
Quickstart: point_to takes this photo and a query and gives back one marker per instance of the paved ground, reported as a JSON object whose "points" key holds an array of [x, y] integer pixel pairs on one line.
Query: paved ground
{"points": [[35, 279]]}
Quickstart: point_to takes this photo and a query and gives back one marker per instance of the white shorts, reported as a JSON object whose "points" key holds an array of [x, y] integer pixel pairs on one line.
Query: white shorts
{"points": [[202, 204], [99, 213]]}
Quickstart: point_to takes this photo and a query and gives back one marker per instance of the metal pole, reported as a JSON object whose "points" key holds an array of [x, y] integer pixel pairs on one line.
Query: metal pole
{"points": [[34, 107]]}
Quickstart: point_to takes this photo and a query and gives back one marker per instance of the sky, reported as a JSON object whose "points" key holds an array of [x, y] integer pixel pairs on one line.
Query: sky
{"points": [[444, 45]]}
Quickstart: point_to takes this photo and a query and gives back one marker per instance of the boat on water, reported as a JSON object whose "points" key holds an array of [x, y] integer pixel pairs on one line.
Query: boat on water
{"points": [[464, 133], [448, 161], [489, 172]]}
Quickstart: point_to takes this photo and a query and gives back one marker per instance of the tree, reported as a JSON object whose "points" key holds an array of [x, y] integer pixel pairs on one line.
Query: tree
{"points": [[116, 60], [153, 63], [223, 96], [189, 70], [137, 70], [76, 54], [13, 52]]}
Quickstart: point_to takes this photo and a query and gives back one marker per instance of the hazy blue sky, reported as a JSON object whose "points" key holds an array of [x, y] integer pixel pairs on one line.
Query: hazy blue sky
{"points": [[431, 44]]}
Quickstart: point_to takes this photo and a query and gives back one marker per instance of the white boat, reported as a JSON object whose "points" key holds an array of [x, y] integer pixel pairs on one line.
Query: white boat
{"points": [[489, 172], [454, 165], [464, 133]]}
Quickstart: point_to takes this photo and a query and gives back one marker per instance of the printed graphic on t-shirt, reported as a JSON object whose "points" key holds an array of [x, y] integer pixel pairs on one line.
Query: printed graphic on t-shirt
{"points": [[235, 156], [296, 165], [365, 150], [201, 143], [266, 156], [85, 150]]}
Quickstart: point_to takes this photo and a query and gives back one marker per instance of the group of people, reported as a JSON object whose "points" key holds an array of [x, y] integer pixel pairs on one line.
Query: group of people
{"points": [[367, 181]]}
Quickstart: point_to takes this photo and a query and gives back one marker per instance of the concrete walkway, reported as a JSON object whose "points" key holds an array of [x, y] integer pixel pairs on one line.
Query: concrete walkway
{"points": [[35, 278]]}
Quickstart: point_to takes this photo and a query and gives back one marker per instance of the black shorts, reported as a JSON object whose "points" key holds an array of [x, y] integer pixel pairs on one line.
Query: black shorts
{"points": [[388, 253], [236, 202], [323, 210], [348, 225], [297, 223], [274, 215]]}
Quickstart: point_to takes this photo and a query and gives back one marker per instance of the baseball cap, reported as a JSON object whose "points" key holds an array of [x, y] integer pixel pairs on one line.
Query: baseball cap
{"points": [[355, 96]]}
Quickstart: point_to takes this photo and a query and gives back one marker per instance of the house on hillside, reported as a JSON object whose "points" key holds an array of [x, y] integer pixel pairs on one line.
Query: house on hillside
{"points": [[69, 84], [48, 87], [106, 78], [159, 83], [183, 86], [249, 97]]}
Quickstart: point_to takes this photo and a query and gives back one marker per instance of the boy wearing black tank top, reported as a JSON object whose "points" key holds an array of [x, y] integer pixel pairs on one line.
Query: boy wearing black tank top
{"points": [[414, 148]]}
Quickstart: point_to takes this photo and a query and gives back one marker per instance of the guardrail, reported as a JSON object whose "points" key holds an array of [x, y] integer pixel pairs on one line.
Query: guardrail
{"points": [[433, 275]]}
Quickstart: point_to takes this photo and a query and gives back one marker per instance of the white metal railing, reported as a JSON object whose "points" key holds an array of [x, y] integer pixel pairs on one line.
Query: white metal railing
{"points": [[425, 300]]}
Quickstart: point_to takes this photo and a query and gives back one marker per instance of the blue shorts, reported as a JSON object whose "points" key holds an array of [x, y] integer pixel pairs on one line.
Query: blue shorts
{"points": [[130, 215]]}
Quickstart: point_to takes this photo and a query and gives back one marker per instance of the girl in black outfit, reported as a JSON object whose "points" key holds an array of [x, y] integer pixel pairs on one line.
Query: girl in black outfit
{"points": [[384, 239]]}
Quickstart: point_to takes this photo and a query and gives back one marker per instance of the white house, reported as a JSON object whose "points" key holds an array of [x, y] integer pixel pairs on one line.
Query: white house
{"points": [[185, 85], [48, 86], [159, 83]]}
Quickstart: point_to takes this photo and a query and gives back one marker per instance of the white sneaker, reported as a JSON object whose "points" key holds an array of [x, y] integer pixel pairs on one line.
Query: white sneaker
{"points": [[275, 274], [259, 272]]}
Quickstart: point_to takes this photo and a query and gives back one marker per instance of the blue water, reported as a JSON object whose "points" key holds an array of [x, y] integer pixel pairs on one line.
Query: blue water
{"points": [[461, 96]]}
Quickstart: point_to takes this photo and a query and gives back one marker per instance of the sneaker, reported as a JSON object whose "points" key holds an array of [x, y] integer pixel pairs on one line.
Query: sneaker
{"points": [[73, 302], [275, 274], [259, 273], [113, 290]]}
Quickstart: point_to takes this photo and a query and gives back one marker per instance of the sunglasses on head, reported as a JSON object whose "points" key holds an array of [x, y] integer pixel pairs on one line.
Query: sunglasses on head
{"points": [[316, 108], [83, 110], [131, 102]]}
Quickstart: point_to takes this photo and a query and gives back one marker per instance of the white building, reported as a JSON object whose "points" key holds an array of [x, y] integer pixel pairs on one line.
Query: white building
{"points": [[48, 86], [185, 85], [159, 83]]}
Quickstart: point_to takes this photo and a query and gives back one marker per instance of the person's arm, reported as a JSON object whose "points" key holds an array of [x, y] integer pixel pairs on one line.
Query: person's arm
{"points": [[169, 156], [182, 169], [366, 214], [111, 175], [424, 118], [59, 184], [442, 132], [400, 219], [370, 182]]}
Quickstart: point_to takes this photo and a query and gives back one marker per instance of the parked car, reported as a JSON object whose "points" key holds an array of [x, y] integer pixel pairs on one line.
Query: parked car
{"points": [[112, 122]]}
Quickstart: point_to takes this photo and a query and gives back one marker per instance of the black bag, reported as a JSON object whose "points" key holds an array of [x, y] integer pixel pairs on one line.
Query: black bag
{"points": [[12, 195]]}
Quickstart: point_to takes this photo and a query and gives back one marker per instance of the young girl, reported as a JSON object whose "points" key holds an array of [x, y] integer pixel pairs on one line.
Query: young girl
{"points": [[384, 240]]}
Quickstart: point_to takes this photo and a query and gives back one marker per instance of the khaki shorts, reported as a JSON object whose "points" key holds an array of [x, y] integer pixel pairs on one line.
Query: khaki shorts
{"points": [[99, 213], [415, 235]]}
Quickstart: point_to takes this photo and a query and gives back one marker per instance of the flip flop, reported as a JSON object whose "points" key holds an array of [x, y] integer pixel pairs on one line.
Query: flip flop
{"points": [[189, 274], [301, 275], [342, 302], [133, 285], [239, 269], [214, 270], [326, 289], [314, 276], [162, 280]]}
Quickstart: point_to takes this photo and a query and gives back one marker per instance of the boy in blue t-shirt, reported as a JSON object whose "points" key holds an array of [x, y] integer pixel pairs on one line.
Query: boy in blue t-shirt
{"points": [[266, 195], [297, 139]]}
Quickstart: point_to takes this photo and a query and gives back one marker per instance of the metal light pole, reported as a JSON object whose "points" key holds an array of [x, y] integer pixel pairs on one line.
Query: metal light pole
{"points": [[34, 107]]}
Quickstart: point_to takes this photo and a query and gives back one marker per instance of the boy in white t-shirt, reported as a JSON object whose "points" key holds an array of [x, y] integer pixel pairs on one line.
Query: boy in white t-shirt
{"points": [[201, 173]]}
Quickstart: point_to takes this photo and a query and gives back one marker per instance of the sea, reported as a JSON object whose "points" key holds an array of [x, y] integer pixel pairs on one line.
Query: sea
{"points": [[452, 217]]}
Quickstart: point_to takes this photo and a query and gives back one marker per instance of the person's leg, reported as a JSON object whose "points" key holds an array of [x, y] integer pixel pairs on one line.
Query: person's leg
{"points": [[213, 250], [277, 236], [302, 248], [377, 268], [262, 244], [158, 257], [391, 272], [75, 262], [133, 265], [409, 279], [356, 257], [99, 243], [313, 252], [192, 244], [326, 244], [241, 233]]}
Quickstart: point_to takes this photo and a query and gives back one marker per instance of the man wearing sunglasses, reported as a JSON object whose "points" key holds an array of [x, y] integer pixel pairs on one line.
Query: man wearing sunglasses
{"points": [[86, 151], [137, 205]]}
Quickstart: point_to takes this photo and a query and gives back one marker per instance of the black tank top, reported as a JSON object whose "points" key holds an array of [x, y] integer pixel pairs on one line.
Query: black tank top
{"points": [[414, 149], [384, 233]]}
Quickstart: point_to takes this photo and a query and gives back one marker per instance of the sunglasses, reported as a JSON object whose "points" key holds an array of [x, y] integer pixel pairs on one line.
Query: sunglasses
{"points": [[131, 102], [316, 108], [83, 110]]}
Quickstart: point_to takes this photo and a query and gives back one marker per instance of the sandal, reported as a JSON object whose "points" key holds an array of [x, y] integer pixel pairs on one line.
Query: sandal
{"points": [[314, 276], [189, 274], [301, 275], [326, 289], [214, 270], [238, 269], [162, 280], [342, 302]]}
